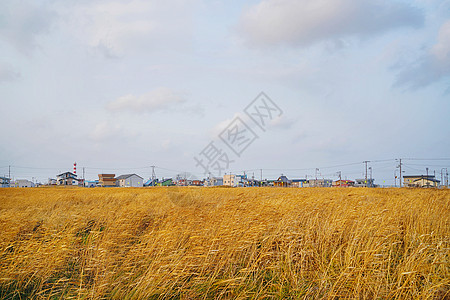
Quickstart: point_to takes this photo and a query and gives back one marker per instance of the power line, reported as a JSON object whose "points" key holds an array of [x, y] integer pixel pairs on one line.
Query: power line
{"points": [[426, 165], [426, 159]]}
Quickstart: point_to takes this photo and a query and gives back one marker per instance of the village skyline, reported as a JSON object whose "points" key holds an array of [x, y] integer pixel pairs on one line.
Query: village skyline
{"points": [[371, 171]]}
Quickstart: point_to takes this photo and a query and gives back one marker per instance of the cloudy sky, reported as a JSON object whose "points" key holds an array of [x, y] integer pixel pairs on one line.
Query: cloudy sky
{"points": [[118, 86]]}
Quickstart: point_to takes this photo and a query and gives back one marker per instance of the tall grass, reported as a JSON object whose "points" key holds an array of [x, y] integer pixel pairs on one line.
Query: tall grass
{"points": [[205, 243]]}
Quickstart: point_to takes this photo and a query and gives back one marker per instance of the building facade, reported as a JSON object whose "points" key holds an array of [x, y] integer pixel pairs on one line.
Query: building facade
{"points": [[229, 180], [282, 181], [66, 178], [234, 180], [165, 182], [130, 180], [319, 183], [4, 182], [23, 183], [298, 183], [343, 183], [214, 181], [420, 181], [365, 183], [106, 180]]}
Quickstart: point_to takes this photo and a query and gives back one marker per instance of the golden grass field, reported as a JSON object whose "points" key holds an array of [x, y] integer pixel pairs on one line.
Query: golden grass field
{"points": [[224, 243]]}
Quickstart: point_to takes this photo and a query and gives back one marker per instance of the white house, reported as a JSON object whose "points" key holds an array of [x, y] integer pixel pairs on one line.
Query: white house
{"points": [[130, 180], [23, 183], [67, 178], [234, 180], [91, 183], [4, 182], [214, 181]]}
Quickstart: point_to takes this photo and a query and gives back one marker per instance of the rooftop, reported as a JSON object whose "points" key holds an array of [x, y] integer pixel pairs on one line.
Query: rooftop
{"points": [[69, 173], [125, 176]]}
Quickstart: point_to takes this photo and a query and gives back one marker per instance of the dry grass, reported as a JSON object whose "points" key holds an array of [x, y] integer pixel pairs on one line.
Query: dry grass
{"points": [[204, 243]]}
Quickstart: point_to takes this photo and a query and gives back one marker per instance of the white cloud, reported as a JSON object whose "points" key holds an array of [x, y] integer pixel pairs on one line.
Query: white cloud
{"points": [[118, 28], [158, 99], [431, 67], [304, 22]]}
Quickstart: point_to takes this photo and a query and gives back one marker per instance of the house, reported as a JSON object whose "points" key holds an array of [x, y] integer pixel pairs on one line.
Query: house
{"points": [[106, 180], [266, 182], [67, 178], [197, 182], [318, 183], [343, 183], [282, 181], [252, 182], [90, 183], [23, 183], [130, 180], [298, 182], [420, 181], [234, 180], [364, 183], [4, 182], [151, 182], [165, 182], [214, 181], [52, 181], [183, 182], [229, 180], [241, 180]]}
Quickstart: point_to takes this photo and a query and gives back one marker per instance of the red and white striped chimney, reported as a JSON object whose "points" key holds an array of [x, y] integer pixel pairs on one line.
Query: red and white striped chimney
{"points": [[75, 168]]}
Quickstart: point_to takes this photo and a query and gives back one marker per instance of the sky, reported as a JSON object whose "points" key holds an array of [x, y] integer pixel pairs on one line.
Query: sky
{"points": [[119, 86]]}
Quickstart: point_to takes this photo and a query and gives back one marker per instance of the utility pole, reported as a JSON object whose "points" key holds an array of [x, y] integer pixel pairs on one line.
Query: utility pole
{"points": [[370, 180], [446, 177], [9, 172], [153, 175], [400, 166], [261, 174], [427, 177], [446, 183], [315, 183], [365, 162], [340, 178]]}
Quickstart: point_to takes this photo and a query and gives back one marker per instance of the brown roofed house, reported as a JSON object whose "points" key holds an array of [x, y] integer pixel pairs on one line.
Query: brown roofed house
{"points": [[106, 180]]}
